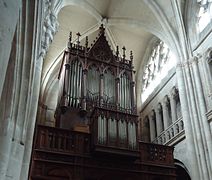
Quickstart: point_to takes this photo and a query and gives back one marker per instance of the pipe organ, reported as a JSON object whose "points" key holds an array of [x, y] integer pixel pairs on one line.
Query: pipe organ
{"points": [[96, 123], [94, 78]]}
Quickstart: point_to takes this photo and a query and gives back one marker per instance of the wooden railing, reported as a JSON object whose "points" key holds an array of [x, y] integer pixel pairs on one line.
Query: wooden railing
{"points": [[156, 153], [61, 140], [172, 134]]}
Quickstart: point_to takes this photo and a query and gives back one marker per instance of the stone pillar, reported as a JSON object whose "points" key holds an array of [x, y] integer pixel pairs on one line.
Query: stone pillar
{"points": [[165, 112], [152, 125], [159, 124], [183, 84], [174, 104], [201, 106], [9, 14]]}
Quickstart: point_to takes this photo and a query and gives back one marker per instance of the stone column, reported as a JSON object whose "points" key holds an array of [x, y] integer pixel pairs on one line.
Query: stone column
{"points": [[152, 126], [205, 130], [183, 84], [173, 104], [9, 15], [165, 112], [159, 124]]}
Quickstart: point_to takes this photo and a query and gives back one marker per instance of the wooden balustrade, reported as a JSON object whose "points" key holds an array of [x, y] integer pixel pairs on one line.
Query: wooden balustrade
{"points": [[61, 140], [156, 153]]}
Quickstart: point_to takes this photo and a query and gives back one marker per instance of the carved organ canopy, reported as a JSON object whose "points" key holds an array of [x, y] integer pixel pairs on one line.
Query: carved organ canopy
{"points": [[95, 76], [96, 81]]}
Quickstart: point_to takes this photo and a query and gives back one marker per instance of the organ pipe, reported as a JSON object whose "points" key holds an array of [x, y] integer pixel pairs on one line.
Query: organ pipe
{"points": [[93, 84], [125, 93], [75, 83], [102, 129], [122, 130], [109, 87]]}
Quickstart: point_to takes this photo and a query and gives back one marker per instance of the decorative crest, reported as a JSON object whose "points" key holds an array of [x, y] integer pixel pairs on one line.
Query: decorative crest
{"points": [[100, 49]]}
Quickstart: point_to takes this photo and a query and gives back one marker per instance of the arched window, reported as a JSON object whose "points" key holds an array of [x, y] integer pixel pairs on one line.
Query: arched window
{"points": [[160, 61], [204, 14]]}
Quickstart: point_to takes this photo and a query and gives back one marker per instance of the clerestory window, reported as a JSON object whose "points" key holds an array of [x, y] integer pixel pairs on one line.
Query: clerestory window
{"points": [[204, 14], [160, 61]]}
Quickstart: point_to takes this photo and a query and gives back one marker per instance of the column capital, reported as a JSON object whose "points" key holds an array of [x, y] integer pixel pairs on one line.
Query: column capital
{"points": [[159, 107], [118, 80], [194, 59], [166, 100], [67, 65], [208, 55], [85, 71], [152, 114], [174, 92], [101, 76]]}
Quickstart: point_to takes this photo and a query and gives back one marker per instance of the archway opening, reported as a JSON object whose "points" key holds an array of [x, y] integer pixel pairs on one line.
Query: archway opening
{"points": [[181, 173]]}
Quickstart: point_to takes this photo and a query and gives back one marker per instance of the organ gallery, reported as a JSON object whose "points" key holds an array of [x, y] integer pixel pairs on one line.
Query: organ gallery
{"points": [[96, 131]]}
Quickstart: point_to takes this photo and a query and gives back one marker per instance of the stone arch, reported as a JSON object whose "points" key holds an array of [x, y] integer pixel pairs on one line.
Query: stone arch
{"points": [[181, 171]]}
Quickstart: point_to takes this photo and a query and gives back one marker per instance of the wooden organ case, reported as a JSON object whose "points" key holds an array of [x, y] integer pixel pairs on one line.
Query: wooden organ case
{"points": [[96, 133]]}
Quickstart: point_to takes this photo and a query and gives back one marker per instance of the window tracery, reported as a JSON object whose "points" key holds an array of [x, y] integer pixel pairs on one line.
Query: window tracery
{"points": [[160, 61], [204, 13]]}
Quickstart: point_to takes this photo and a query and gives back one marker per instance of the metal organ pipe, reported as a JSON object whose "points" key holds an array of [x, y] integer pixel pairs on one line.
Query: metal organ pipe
{"points": [[125, 93], [109, 87], [122, 130], [75, 83], [93, 84], [71, 85], [112, 129], [66, 84], [80, 86], [84, 77], [102, 129], [132, 135]]}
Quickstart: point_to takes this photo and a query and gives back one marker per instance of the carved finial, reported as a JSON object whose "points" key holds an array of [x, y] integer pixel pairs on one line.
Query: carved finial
{"points": [[124, 49], [70, 36], [69, 40], [117, 51], [131, 55], [78, 36], [86, 42], [102, 29]]}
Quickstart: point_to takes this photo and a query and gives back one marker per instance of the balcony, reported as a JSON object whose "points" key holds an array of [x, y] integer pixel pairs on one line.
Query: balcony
{"points": [[58, 151], [62, 141], [172, 135]]}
